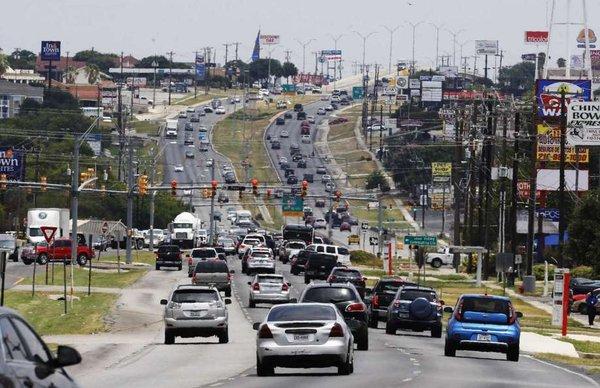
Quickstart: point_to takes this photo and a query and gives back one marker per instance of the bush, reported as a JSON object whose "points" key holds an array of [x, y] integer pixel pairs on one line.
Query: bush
{"points": [[538, 271], [583, 271], [365, 258]]}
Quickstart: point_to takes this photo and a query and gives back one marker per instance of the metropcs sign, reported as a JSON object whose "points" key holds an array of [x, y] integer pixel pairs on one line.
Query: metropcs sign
{"points": [[583, 121]]}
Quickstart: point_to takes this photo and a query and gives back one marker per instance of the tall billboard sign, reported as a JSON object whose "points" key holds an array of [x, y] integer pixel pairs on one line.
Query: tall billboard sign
{"points": [[486, 47], [200, 67], [583, 120], [12, 163], [536, 37], [548, 94], [269, 39], [50, 50]]}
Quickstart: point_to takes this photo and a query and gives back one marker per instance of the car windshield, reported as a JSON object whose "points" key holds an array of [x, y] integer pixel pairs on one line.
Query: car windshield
{"points": [[181, 225], [270, 279], [414, 294], [329, 295], [486, 305], [251, 241], [195, 296], [168, 248], [389, 287], [347, 273], [299, 312], [203, 253], [35, 232]]}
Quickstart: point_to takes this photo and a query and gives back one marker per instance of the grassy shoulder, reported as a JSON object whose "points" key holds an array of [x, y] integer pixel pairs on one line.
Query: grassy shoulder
{"points": [[86, 316], [148, 127], [391, 215], [591, 366], [189, 99], [137, 256], [100, 278]]}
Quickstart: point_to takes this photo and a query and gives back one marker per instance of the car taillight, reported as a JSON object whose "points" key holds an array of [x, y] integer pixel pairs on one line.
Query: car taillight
{"points": [[190, 261], [458, 311], [375, 301], [513, 316], [285, 287], [355, 308], [331, 278], [336, 331], [397, 303], [228, 277], [256, 287], [265, 332]]}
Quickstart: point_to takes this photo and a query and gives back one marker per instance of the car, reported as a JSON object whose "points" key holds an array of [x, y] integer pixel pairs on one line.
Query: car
{"points": [[202, 128], [335, 106], [27, 361], [290, 249], [329, 108], [583, 285], [288, 115], [287, 171], [297, 157], [580, 305], [276, 145], [319, 266], [259, 260], [268, 288], [321, 112], [311, 119], [194, 119], [194, 311], [188, 127], [182, 115], [298, 107], [230, 178], [338, 120], [324, 97], [345, 226], [187, 193], [320, 223], [178, 168], [280, 121], [321, 170], [201, 113], [416, 308], [304, 130], [281, 105], [209, 162], [320, 338], [203, 147], [329, 187], [223, 198], [292, 179], [342, 253], [284, 134], [381, 296], [298, 262], [282, 159], [301, 116], [189, 154], [168, 256], [305, 139], [190, 109], [188, 140], [483, 323], [208, 109], [320, 203], [214, 273], [197, 255], [228, 245], [294, 148], [301, 163], [348, 302], [348, 275], [220, 110]]}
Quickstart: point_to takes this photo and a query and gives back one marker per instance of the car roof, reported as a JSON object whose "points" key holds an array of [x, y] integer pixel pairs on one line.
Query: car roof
{"points": [[497, 297], [418, 288], [194, 287], [330, 285]]}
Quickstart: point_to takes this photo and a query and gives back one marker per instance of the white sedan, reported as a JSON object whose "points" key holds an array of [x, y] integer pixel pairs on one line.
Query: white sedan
{"points": [[220, 110], [320, 223], [321, 111], [284, 134], [178, 168]]}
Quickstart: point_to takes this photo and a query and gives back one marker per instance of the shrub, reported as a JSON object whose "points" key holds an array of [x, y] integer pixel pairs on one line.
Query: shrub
{"points": [[583, 271], [538, 271], [365, 258]]}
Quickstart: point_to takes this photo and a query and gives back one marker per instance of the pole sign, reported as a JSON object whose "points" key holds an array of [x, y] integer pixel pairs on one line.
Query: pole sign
{"points": [[528, 57], [486, 47], [583, 123], [292, 206], [441, 172], [548, 146], [591, 38], [549, 214], [402, 82], [12, 163], [548, 94], [428, 241], [269, 39], [50, 50], [200, 67], [524, 190], [48, 232], [536, 37]]}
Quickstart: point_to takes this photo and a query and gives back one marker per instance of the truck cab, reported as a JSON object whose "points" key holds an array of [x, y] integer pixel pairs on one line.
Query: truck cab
{"points": [[439, 258]]}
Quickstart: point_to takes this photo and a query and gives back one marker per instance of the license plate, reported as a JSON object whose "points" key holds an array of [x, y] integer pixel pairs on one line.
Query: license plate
{"points": [[301, 337], [403, 315], [484, 337], [197, 314]]}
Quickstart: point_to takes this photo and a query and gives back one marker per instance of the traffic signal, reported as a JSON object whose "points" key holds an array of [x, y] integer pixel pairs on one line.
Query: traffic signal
{"points": [[83, 176], [205, 193], [103, 190], [254, 183], [173, 187], [44, 183], [338, 195], [214, 184], [304, 188], [268, 193], [3, 181], [143, 184]]}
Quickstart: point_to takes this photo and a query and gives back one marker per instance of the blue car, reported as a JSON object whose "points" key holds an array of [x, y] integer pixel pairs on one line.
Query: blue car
{"points": [[484, 323]]}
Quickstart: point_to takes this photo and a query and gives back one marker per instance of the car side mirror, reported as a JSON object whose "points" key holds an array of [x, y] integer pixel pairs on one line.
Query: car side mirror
{"points": [[256, 325], [249, 283], [442, 302], [448, 309], [164, 301], [227, 301], [65, 356], [293, 300], [232, 271], [519, 314]]}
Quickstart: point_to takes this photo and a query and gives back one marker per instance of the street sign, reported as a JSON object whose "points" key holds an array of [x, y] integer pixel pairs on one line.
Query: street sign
{"points": [[402, 82], [48, 232], [357, 92], [428, 241], [373, 241], [292, 205], [364, 225], [104, 228]]}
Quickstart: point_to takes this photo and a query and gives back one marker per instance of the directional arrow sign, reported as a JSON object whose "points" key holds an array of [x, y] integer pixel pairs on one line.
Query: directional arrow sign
{"points": [[373, 240], [364, 225], [48, 232], [429, 241]]}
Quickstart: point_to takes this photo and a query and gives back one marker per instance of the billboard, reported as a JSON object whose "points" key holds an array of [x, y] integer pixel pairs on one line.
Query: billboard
{"points": [[449, 71], [200, 67], [524, 190], [486, 47], [591, 38], [548, 180], [269, 39], [414, 83], [308, 78], [12, 163], [431, 91], [528, 57], [536, 37], [548, 146], [441, 172], [548, 94], [402, 82], [50, 50], [583, 123]]}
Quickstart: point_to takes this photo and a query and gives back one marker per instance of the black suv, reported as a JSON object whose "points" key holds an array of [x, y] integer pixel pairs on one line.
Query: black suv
{"points": [[348, 301], [381, 296], [415, 308], [298, 262], [318, 266], [348, 275], [168, 256]]}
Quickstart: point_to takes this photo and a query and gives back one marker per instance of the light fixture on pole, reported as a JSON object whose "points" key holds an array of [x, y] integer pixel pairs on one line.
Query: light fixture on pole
{"points": [[364, 39], [414, 28], [437, 43], [304, 44], [454, 35], [391, 31]]}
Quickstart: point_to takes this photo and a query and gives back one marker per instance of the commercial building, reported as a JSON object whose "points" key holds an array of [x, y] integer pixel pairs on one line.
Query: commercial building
{"points": [[13, 94]]}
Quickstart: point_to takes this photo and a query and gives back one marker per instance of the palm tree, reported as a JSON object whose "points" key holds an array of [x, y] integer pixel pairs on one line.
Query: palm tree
{"points": [[70, 74], [93, 73]]}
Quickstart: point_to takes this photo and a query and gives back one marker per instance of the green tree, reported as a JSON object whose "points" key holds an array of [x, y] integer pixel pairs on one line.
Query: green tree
{"points": [[93, 73], [517, 79], [584, 232], [4, 65], [104, 61], [22, 59], [375, 180], [289, 70], [259, 70]]}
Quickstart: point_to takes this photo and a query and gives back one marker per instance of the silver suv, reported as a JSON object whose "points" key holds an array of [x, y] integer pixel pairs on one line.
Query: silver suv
{"points": [[199, 254], [195, 311]]}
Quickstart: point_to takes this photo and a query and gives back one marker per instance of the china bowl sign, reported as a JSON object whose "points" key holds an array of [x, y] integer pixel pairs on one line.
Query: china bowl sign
{"points": [[548, 94]]}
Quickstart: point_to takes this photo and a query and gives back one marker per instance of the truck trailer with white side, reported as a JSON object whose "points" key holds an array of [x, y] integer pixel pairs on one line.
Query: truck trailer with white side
{"points": [[185, 230], [38, 217]]}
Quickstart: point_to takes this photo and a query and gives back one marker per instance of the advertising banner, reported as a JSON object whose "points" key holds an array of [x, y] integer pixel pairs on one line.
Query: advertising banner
{"points": [[415, 83], [548, 213], [441, 169], [486, 47], [12, 163], [200, 67], [269, 39], [524, 190], [431, 91], [583, 123], [528, 57], [548, 94], [591, 38], [548, 180], [536, 37], [50, 50], [469, 95], [308, 78], [402, 82], [449, 71], [548, 146]]}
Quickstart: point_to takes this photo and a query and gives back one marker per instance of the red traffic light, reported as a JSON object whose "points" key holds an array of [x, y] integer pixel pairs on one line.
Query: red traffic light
{"points": [[214, 184], [254, 182], [173, 187]]}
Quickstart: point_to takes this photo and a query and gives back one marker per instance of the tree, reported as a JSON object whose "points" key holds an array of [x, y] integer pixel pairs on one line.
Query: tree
{"points": [[584, 232], [517, 79], [3, 64], [93, 73], [259, 70], [146, 62], [561, 62], [375, 180], [289, 70], [22, 59], [104, 61]]}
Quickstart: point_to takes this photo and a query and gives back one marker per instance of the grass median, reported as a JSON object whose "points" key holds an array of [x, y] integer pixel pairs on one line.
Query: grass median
{"points": [[100, 277]]}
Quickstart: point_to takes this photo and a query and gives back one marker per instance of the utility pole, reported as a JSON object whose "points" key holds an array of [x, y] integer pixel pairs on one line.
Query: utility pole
{"points": [[287, 55], [130, 187], [515, 177], [120, 120], [237, 45], [437, 43], [532, 199], [490, 133], [456, 175], [391, 31], [335, 75], [561, 182], [226, 52], [170, 73], [212, 208]]}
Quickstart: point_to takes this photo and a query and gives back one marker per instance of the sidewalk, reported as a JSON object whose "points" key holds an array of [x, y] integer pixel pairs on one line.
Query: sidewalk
{"points": [[537, 343]]}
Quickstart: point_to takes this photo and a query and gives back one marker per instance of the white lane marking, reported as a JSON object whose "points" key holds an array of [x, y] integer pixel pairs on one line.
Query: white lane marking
{"points": [[586, 378], [407, 380], [215, 384]]}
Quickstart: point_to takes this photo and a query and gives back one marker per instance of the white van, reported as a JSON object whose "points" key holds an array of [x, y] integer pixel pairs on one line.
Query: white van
{"points": [[343, 254]]}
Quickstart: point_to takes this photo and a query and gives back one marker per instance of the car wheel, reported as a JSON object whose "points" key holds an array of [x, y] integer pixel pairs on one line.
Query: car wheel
{"points": [[179, 268], [169, 338], [449, 349], [263, 369], [347, 367], [294, 271], [389, 328], [363, 340], [82, 260], [306, 279], [582, 309], [436, 331], [373, 321], [157, 267], [251, 304], [26, 262], [436, 263], [224, 337], [139, 244], [43, 259], [190, 275], [228, 292], [513, 353]]}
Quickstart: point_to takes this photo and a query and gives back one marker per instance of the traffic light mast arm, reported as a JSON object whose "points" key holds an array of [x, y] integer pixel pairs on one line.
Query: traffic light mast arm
{"points": [[87, 182]]}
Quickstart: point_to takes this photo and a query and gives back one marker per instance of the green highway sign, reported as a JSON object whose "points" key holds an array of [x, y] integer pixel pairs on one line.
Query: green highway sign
{"points": [[358, 92], [288, 87], [429, 241], [292, 205]]}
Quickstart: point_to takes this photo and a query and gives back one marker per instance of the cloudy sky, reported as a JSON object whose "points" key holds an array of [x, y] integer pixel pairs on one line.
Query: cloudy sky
{"points": [[144, 27]]}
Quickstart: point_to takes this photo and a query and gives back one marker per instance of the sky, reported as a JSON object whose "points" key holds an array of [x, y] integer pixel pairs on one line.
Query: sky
{"points": [[146, 27]]}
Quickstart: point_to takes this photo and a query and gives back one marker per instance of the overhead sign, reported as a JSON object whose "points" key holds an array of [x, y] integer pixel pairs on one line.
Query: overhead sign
{"points": [[548, 94], [486, 47], [269, 39], [357, 92], [200, 67], [292, 205], [583, 121], [402, 82], [48, 232], [548, 146], [591, 38], [536, 37], [428, 241], [50, 50], [12, 163]]}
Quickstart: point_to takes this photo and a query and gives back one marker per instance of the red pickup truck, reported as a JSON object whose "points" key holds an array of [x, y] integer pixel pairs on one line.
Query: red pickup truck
{"points": [[60, 250]]}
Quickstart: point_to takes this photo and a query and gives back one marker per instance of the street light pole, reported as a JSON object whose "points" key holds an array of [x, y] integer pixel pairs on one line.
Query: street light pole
{"points": [[364, 39], [454, 34], [154, 65], [414, 27], [391, 31], [304, 52], [437, 43], [335, 40]]}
